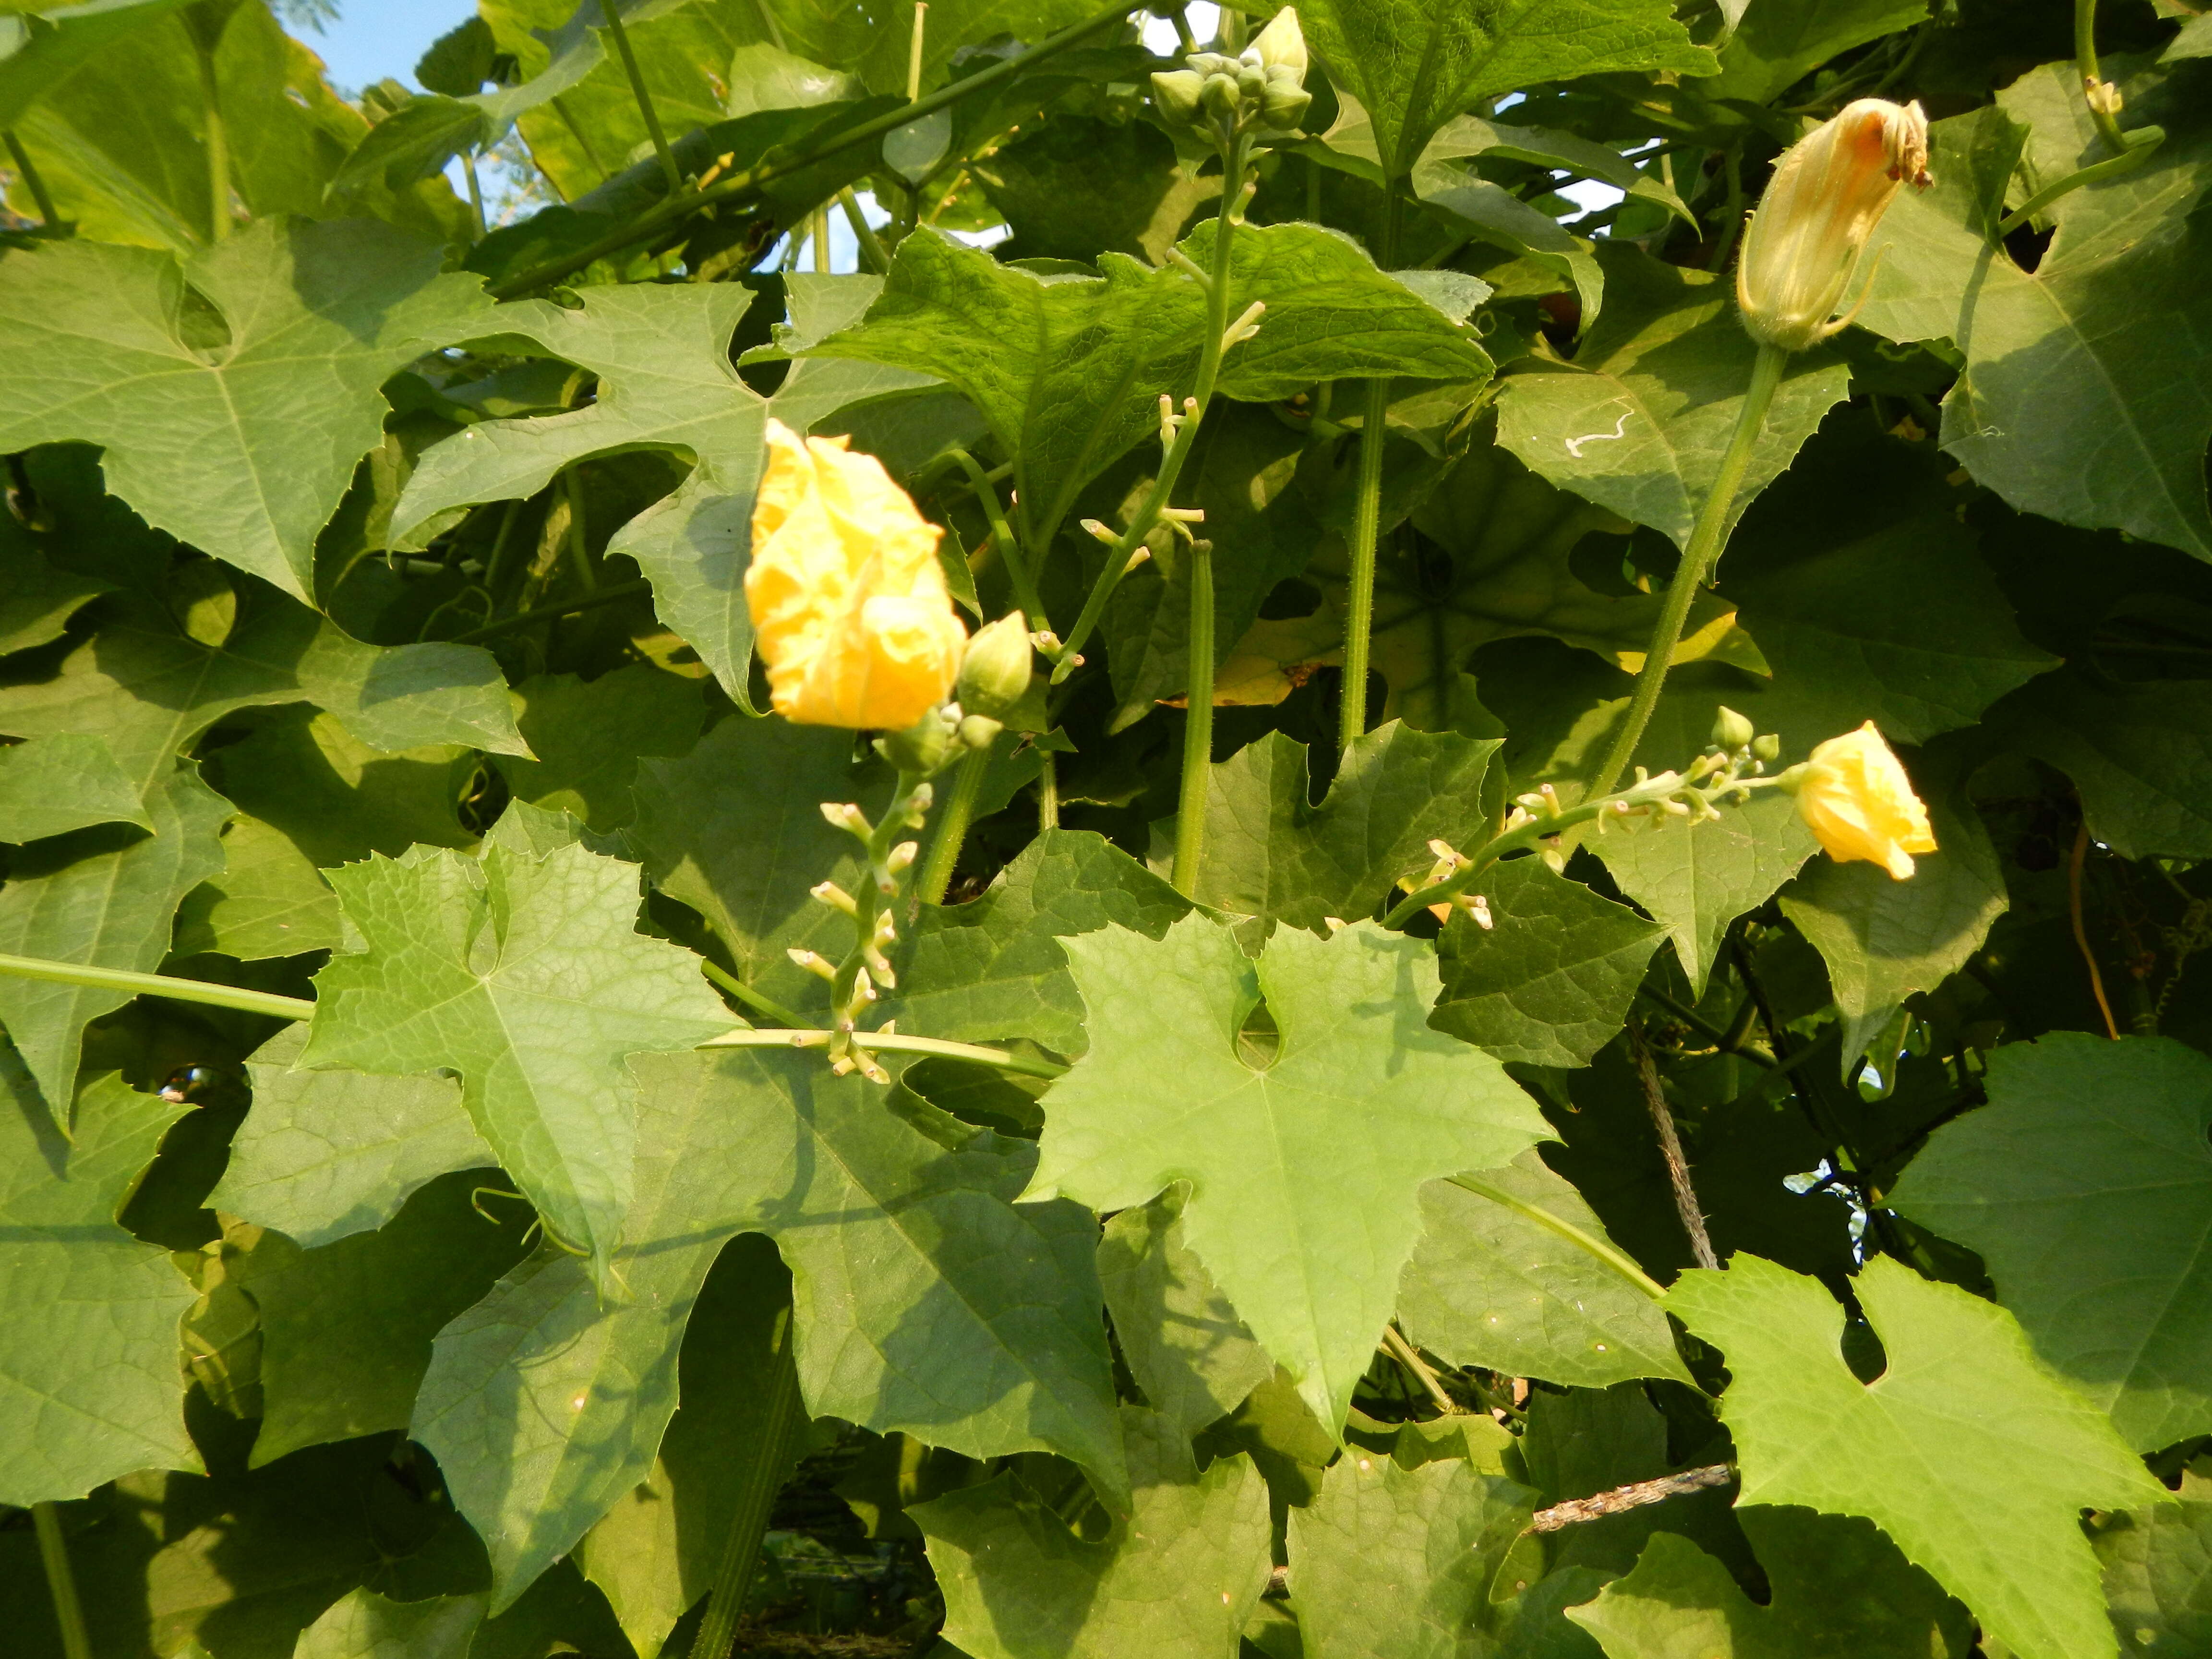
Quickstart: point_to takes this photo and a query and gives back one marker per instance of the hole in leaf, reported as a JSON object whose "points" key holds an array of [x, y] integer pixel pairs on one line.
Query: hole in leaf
{"points": [[1258, 1040]]}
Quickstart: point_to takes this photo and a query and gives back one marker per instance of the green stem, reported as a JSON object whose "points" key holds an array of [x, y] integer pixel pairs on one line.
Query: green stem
{"points": [[1193, 416], [1010, 547], [476, 194], [872, 247], [158, 985], [579, 551], [1611, 1255], [952, 827], [32, 181], [893, 1043], [218, 150], [1198, 724], [2085, 60], [2145, 140], [611, 595], [676, 206], [1366, 518], [745, 993], [61, 1583], [1048, 793], [612, 12], [1697, 559], [741, 1545]]}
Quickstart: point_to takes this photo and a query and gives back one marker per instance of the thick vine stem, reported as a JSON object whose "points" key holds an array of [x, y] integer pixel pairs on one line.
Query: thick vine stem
{"points": [[218, 147], [158, 985], [952, 827], [677, 206], [741, 1545], [61, 1582], [1366, 521], [1697, 559], [1198, 724]]}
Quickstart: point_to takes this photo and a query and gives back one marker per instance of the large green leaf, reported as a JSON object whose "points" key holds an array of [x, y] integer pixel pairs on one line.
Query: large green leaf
{"points": [[367, 1625], [38, 53], [667, 382], [273, 368], [1069, 370], [1696, 879], [346, 1329], [1269, 852], [993, 969], [2083, 397], [2138, 754], [36, 599], [103, 897], [1392, 1563], [150, 688], [1184, 1344], [2158, 1576], [926, 1302], [51, 786], [527, 976], [1304, 1173], [1550, 980], [588, 736], [735, 830], [1638, 422], [1416, 64], [2085, 1185], [1777, 43], [1838, 1587], [1965, 1451], [1176, 1579], [323, 1154], [1488, 1285], [1884, 939], [90, 1371]]}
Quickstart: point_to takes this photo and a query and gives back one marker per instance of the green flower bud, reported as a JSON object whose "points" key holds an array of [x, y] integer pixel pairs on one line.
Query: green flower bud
{"points": [[1219, 97], [1283, 108], [1174, 95], [923, 747], [1251, 80], [1767, 746], [1282, 44], [995, 672], [1731, 731], [980, 732]]}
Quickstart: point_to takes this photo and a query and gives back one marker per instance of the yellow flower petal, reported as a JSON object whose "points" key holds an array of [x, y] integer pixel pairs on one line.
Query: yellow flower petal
{"points": [[1859, 803]]}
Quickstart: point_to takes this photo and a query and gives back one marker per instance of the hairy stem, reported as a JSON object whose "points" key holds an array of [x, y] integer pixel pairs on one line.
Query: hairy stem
{"points": [[31, 180], [1010, 548], [2084, 59], [1198, 724], [1697, 560], [678, 204], [612, 12], [741, 1545], [953, 828], [1366, 519], [1670, 1148], [61, 1583]]}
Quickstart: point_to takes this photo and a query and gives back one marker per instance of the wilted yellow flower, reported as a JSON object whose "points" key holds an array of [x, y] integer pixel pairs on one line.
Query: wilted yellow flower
{"points": [[1827, 194], [850, 606], [1855, 794]]}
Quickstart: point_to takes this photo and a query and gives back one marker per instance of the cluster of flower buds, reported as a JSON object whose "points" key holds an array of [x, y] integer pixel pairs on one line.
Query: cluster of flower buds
{"points": [[1449, 862], [1721, 776], [1265, 88], [866, 970]]}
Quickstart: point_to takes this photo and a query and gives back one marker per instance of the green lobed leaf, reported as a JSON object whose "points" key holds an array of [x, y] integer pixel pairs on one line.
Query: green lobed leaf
{"points": [[1638, 421], [346, 1329], [328, 1153], [269, 901], [1184, 1344], [2137, 754], [993, 969], [2086, 1186], [1777, 43], [90, 1374], [1270, 853], [1838, 1587], [366, 1626], [2082, 397], [1361, 1104], [36, 599], [1178, 1577], [51, 786], [526, 975], [588, 736], [1392, 1563], [151, 689], [276, 378], [1932, 1452], [103, 897], [1550, 980], [1416, 64], [2158, 1576], [1488, 1286]]}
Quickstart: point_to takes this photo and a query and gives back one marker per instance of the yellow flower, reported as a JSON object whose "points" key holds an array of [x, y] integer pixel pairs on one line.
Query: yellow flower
{"points": [[1860, 803], [848, 604], [1826, 196]]}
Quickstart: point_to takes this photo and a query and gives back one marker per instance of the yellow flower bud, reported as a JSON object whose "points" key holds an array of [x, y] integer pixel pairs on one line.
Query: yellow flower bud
{"points": [[1855, 794], [1827, 194], [850, 606], [1281, 43]]}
